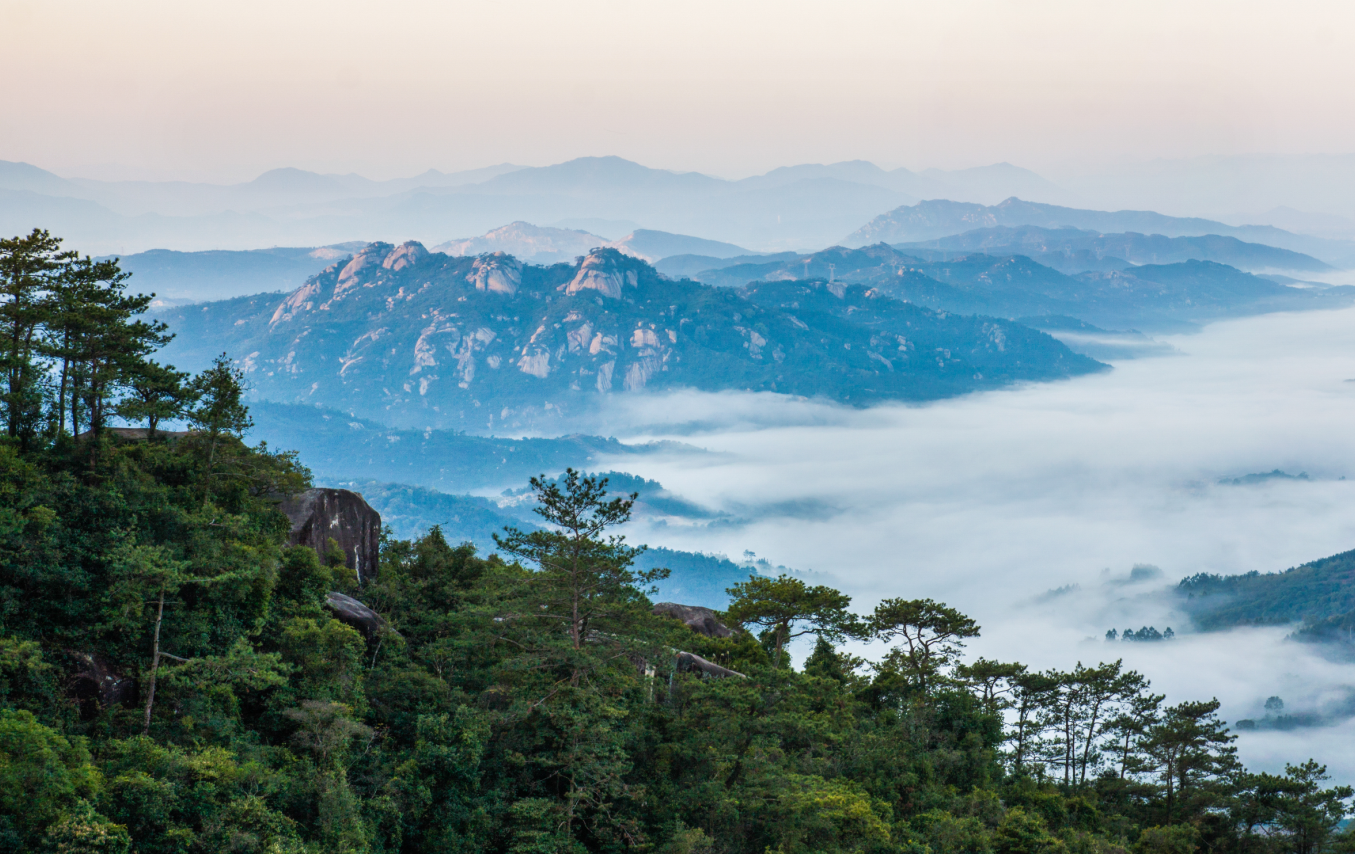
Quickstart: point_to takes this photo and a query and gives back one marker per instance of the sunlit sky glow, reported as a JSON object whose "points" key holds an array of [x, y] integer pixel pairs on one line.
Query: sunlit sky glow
{"points": [[222, 91]]}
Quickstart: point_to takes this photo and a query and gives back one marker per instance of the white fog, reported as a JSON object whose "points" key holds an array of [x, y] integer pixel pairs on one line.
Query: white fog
{"points": [[991, 501]]}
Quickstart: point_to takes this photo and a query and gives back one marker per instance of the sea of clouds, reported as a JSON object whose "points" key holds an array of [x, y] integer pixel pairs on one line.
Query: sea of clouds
{"points": [[1027, 508]]}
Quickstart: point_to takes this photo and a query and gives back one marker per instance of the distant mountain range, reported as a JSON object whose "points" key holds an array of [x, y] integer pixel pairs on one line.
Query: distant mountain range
{"points": [[218, 274], [182, 277], [1072, 250], [933, 220], [425, 339], [533, 244], [1147, 297], [793, 208]]}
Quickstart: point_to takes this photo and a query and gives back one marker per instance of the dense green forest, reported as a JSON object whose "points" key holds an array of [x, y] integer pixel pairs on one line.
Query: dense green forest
{"points": [[171, 679]]}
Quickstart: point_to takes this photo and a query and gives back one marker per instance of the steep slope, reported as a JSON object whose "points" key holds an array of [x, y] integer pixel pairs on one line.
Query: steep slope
{"points": [[1072, 250], [486, 343], [931, 220]]}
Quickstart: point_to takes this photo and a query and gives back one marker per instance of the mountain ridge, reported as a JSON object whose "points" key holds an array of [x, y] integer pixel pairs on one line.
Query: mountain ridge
{"points": [[490, 343], [936, 219]]}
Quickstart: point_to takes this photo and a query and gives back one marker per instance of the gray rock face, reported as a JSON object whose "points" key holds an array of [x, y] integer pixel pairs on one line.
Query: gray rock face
{"points": [[606, 271], [319, 515], [96, 686], [354, 613], [405, 255], [690, 662], [700, 620], [496, 272]]}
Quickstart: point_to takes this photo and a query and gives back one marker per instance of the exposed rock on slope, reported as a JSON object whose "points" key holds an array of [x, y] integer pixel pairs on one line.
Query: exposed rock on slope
{"points": [[700, 620], [498, 273], [354, 613], [319, 515], [606, 271], [487, 342]]}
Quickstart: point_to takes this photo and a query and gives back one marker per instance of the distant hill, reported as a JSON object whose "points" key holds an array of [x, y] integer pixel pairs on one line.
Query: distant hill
{"points": [[1072, 250], [692, 266], [649, 245], [932, 220], [1312, 593], [335, 444], [220, 274], [532, 244], [798, 207], [425, 339], [1147, 297]]}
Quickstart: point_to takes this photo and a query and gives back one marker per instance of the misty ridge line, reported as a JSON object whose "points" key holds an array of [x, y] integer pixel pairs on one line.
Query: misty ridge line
{"points": [[793, 208]]}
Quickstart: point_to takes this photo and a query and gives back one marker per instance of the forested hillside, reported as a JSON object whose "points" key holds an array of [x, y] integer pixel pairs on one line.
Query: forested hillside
{"points": [[1313, 593], [174, 678]]}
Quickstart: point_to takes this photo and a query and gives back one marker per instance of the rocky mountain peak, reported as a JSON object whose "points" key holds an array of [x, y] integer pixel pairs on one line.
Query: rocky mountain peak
{"points": [[497, 272], [405, 255], [372, 255], [606, 271]]}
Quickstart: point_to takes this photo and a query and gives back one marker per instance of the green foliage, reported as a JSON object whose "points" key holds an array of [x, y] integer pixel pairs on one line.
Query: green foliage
{"points": [[41, 772], [786, 608], [81, 830]]}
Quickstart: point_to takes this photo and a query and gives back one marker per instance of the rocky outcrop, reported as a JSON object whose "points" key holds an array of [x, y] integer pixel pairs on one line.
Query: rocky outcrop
{"points": [[96, 686], [405, 255], [319, 515], [496, 272], [372, 255], [606, 271], [349, 610], [700, 620], [690, 662]]}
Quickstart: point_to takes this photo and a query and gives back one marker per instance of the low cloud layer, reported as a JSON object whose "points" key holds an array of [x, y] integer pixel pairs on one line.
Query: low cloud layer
{"points": [[991, 501]]}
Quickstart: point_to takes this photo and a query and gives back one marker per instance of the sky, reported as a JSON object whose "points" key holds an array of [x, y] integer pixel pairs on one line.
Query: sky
{"points": [[223, 91]]}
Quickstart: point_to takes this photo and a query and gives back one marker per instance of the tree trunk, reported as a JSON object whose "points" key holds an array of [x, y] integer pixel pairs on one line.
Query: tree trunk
{"points": [[155, 664], [61, 396]]}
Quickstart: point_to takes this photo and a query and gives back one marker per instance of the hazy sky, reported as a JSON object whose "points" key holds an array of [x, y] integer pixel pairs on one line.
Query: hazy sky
{"points": [[222, 91]]}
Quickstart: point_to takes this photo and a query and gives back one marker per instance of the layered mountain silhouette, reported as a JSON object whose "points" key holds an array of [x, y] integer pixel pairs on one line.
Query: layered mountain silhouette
{"points": [[535, 244], [426, 339], [1072, 250], [932, 220], [798, 207], [1160, 297]]}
